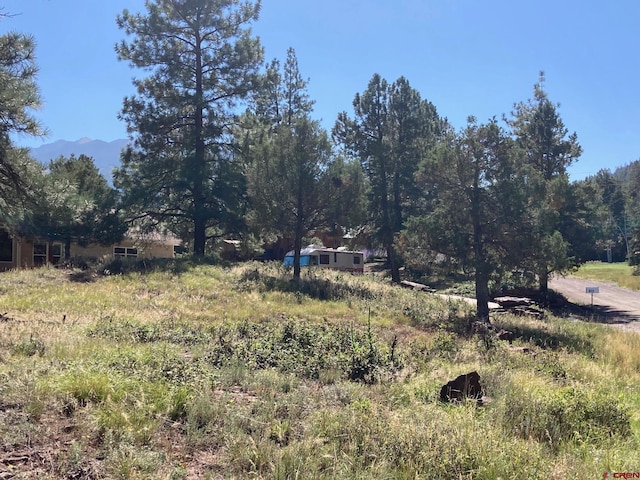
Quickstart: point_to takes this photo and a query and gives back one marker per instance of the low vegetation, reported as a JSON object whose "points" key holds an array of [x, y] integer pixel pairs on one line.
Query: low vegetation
{"points": [[199, 371]]}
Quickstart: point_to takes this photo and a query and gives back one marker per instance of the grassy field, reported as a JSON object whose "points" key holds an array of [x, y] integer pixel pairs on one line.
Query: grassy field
{"points": [[195, 371], [620, 273]]}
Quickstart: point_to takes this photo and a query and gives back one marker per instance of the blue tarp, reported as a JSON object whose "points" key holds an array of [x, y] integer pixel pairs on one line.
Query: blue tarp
{"points": [[305, 256], [304, 260]]}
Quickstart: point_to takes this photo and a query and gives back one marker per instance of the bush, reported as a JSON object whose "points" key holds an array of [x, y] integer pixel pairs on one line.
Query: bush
{"points": [[306, 350], [120, 266], [312, 284]]}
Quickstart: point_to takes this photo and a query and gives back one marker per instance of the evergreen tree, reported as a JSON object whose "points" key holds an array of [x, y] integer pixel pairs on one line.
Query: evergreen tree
{"points": [[392, 129], [289, 157], [19, 96], [348, 196], [618, 213], [549, 149], [629, 224], [183, 169], [474, 204], [78, 205]]}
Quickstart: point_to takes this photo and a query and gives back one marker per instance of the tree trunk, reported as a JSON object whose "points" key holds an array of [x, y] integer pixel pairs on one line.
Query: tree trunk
{"points": [[67, 248], [481, 277], [299, 229], [199, 235], [200, 220], [543, 281], [393, 262], [386, 228], [482, 294], [481, 267], [397, 226], [297, 246]]}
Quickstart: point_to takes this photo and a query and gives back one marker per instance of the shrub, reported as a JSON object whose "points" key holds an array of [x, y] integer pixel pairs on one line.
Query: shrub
{"points": [[303, 349], [312, 284], [129, 330]]}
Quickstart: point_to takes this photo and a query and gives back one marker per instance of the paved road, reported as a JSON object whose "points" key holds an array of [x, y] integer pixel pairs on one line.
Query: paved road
{"points": [[620, 306]]}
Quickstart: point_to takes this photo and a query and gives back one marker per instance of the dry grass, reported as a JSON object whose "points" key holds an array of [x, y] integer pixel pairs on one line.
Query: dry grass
{"points": [[206, 372]]}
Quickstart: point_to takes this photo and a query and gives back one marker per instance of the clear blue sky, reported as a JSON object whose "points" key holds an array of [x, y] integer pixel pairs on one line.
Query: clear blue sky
{"points": [[467, 57]]}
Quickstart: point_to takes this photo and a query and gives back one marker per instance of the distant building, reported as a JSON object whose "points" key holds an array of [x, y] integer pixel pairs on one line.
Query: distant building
{"points": [[334, 258], [24, 252]]}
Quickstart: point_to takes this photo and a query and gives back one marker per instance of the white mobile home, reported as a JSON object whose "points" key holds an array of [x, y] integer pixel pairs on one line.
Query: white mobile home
{"points": [[336, 259]]}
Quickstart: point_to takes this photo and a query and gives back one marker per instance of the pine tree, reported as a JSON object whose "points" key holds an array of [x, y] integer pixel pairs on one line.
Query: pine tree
{"points": [[392, 129], [290, 157], [475, 204], [19, 96], [78, 205], [202, 62], [549, 149]]}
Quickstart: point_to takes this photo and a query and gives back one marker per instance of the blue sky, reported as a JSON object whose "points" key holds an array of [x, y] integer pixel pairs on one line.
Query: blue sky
{"points": [[467, 57]]}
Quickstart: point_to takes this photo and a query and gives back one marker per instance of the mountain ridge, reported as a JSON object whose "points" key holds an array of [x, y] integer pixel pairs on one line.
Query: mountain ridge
{"points": [[105, 154]]}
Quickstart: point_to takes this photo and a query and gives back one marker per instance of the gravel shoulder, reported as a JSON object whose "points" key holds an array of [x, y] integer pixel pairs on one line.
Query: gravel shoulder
{"points": [[613, 305]]}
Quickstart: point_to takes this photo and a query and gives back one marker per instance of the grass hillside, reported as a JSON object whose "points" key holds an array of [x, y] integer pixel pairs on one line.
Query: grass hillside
{"points": [[209, 372]]}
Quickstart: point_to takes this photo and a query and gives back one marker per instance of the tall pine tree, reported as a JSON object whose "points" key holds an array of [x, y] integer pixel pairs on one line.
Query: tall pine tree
{"points": [[290, 157], [391, 131], [19, 96], [182, 170], [549, 149], [474, 204]]}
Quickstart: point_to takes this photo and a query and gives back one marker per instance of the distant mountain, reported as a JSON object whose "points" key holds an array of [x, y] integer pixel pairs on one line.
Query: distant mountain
{"points": [[106, 155]]}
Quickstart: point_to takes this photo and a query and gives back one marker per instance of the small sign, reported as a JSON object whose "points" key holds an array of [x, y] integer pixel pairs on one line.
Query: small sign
{"points": [[593, 290]]}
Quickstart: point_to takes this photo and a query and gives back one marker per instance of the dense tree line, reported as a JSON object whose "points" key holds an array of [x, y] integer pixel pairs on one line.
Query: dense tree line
{"points": [[226, 146]]}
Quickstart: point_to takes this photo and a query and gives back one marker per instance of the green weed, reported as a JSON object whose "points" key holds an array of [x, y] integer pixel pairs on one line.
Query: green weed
{"points": [[301, 348]]}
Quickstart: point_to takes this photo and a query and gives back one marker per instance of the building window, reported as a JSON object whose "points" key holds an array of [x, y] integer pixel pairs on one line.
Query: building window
{"points": [[180, 250], [335, 258], [39, 254], [6, 247], [324, 259], [314, 260], [356, 259], [125, 252], [56, 253]]}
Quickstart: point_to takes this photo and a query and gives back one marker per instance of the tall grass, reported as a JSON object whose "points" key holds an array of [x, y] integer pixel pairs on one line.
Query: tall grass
{"points": [[199, 371]]}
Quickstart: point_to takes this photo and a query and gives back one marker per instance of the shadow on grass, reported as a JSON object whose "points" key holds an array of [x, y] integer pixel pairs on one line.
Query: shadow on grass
{"points": [[573, 342], [603, 314], [83, 276], [548, 336], [90, 271], [309, 285], [455, 283]]}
